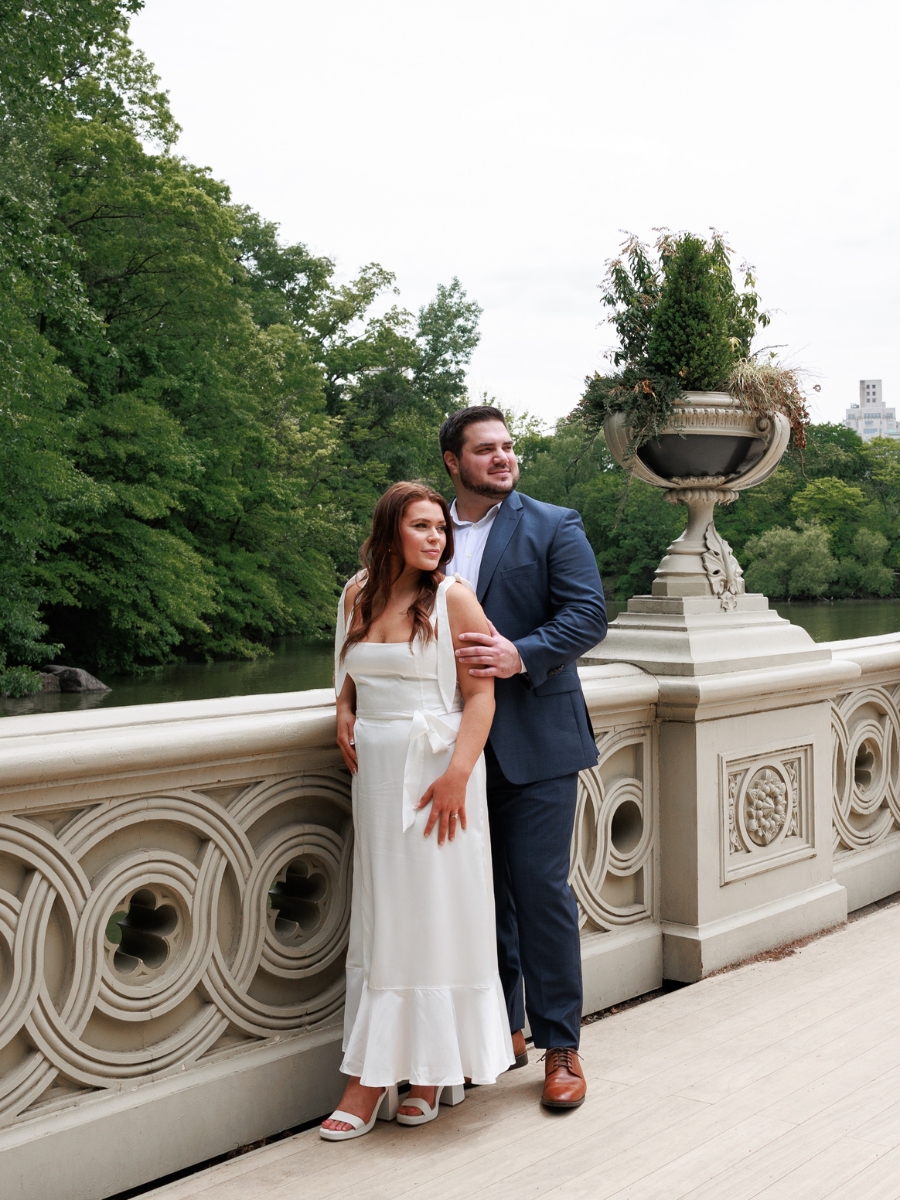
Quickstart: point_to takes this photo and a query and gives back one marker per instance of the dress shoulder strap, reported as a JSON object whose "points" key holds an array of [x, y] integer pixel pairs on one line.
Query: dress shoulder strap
{"points": [[447, 678], [340, 634]]}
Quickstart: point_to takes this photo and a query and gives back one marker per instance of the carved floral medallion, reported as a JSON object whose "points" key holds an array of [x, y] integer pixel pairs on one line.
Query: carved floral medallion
{"points": [[767, 810]]}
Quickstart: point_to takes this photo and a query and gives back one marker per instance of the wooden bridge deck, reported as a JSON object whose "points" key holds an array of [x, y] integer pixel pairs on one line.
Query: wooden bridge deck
{"points": [[779, 1080]]}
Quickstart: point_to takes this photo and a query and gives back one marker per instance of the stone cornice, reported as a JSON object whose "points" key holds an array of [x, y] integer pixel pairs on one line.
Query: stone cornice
{"points": [[705, 697], [877, 657], [134, 747]]}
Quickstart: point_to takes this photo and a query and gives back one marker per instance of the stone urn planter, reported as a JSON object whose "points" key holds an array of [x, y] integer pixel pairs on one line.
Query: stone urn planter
{"points": [[712, 449]]}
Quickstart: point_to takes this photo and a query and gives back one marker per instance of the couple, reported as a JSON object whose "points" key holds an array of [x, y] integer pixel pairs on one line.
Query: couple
{"points": [[461, 716]]}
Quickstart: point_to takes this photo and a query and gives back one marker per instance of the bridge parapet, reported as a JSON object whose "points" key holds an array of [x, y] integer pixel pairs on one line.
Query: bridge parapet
{"points": [[175, 882]]}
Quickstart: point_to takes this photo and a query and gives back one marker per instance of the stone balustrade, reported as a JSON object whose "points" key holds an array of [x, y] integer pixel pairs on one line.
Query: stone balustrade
{"points": [[174, 889], [866, 771]]}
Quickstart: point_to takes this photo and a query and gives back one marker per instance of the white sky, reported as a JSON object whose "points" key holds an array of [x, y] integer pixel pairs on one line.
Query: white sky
{"points": [[509, 142]]}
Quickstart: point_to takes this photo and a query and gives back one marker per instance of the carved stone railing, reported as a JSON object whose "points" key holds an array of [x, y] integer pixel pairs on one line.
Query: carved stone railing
{"points": [[615, 845], [174, 889], [154, 931], [174, 907], [866, 771]]}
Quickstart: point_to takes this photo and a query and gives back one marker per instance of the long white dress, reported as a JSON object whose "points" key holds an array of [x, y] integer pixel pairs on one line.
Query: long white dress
{"points": [[424, 1000]]}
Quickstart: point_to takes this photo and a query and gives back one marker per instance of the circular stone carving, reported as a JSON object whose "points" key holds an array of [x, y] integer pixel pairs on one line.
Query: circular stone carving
{"points": [[626, 829], [867, 756], [765, 806], [865, 767], [613, 837], [307, 901]]}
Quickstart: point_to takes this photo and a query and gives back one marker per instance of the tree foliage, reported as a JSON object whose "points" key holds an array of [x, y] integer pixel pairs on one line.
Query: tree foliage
{"points": [[195, 419], [790, 563]]}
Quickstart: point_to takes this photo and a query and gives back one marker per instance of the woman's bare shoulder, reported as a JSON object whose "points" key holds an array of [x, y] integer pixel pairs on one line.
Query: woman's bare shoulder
{"points": [[463, 606], [354, 587]]}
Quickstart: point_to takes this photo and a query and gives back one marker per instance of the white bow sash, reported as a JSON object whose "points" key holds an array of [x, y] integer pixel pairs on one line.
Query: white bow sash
{"points": [[426, 728]]}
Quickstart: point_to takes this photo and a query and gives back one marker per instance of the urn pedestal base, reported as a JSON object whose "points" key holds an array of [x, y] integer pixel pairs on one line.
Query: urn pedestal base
{"points": [[691, 635]]}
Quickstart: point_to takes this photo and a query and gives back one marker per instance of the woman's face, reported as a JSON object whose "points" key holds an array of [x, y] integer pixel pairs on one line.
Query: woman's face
{"points": [[423, 535]]}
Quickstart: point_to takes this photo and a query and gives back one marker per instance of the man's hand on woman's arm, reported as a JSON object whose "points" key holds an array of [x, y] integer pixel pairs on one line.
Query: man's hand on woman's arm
{"points": [[489, 654]]}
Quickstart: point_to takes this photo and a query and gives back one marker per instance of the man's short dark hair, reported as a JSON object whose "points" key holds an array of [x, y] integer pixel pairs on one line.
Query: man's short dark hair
{"points": [[453, 430]]}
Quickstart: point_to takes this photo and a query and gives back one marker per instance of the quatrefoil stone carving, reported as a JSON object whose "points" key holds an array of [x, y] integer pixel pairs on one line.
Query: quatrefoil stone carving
{"points": [[298, 897], [141, 932]]}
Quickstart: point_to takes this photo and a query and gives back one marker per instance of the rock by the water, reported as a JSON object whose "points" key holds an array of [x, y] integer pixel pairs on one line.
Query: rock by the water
{"points": [[49, 682], [73, 679]]}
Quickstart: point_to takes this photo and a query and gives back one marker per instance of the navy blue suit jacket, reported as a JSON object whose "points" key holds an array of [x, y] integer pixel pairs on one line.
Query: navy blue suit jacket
{"points": [[539, 585]]}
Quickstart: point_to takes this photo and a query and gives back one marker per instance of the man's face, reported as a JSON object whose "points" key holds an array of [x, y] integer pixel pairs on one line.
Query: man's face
{"points": [[487, 463]]}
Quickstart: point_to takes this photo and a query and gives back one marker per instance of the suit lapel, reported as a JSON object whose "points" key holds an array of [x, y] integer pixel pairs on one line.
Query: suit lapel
{"points": [[501, 531]]}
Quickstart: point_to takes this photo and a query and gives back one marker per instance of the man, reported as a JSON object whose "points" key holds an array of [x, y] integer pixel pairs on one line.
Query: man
{"points": [[536, 577]]}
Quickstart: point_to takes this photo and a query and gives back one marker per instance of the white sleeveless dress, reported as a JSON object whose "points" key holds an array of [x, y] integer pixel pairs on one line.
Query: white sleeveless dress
{"points": [[424, 1000]]}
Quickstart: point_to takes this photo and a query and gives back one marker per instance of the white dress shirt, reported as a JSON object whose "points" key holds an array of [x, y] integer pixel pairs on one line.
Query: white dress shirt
{"points": [[469, 541]]}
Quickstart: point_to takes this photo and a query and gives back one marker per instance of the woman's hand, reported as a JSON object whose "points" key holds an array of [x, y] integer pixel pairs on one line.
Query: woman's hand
{"points": [[447, 797], [346, 726]]}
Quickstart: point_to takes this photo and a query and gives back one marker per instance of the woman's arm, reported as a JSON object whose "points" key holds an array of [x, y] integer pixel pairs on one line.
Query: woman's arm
{"points": [[346, 723], [447, 795], [346, 701]]}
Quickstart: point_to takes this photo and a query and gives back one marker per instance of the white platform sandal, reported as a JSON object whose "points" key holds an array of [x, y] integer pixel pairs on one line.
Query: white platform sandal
{"points": [[451, 1094], [385, 1110]]}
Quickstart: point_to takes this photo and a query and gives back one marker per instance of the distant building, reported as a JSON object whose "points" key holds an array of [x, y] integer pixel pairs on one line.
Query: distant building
{"points": [[870, 418]]}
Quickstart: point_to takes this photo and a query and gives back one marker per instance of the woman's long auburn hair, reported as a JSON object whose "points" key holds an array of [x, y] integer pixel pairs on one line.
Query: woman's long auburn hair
{"points": [[382, 566]]}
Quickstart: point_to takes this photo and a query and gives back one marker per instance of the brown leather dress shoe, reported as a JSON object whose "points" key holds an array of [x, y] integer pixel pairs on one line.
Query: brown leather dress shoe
{"points": [[564, 1084], [520, 1050]]}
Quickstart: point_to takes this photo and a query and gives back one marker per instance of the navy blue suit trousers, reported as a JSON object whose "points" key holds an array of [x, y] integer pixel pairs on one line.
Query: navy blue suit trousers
{"points": [[531, 832]]}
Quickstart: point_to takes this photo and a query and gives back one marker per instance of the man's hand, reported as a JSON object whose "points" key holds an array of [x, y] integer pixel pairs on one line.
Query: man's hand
{"points": [[489, 654]]}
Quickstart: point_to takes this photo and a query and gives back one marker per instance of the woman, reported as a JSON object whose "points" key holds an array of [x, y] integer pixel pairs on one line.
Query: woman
{"points": [[424, 1000]]}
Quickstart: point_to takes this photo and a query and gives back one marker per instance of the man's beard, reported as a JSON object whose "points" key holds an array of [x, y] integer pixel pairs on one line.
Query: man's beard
{"points": [[492, 491]]}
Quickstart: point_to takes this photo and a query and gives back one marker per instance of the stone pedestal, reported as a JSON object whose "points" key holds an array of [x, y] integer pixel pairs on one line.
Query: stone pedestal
{"points": [[744, 735], [691, 635]]}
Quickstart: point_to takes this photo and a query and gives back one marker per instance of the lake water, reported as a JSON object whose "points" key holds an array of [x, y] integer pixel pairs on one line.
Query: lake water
{"points": [[297, 664]]}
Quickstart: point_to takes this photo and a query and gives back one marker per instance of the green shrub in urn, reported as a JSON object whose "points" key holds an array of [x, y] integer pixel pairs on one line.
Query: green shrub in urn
{"points": [[684, 326], [690, 335]]}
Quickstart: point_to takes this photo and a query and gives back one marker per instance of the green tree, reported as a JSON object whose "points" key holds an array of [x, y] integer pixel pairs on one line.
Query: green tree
{"points": [[757, 509], [862, 572], [629, 525], [789, 563], [392, 379], [202, 419], [836, 506], [831, 450], [558, 467], [881, 460], [43, 48]]}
